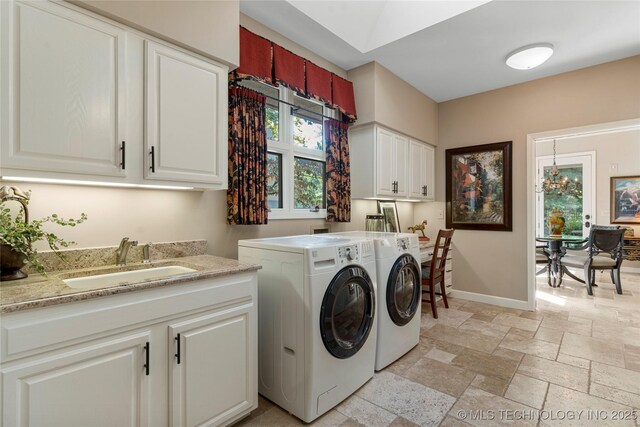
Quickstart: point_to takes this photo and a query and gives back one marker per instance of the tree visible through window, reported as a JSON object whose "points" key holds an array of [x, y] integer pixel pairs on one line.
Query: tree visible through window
{"points": [[569, 205], [295, 137]]}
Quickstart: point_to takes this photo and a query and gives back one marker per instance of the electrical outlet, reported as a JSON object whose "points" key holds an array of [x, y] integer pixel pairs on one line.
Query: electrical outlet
{"points": [[440, 213]]}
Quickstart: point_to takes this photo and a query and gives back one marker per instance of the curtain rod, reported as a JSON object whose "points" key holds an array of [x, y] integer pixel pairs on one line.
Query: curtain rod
{"points": [[296, 107]]}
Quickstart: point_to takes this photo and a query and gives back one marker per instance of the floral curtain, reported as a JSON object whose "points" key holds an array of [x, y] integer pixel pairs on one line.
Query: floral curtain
{"points": [[247, 193], [338, 172]]}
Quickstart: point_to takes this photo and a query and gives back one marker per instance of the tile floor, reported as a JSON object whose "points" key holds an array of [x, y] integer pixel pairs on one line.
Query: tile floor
{"points": [[484, 365]]}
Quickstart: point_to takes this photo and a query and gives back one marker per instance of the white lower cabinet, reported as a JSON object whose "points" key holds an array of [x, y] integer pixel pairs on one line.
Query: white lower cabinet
{"points": [[211, 383], [181, 355], [102, 384]]}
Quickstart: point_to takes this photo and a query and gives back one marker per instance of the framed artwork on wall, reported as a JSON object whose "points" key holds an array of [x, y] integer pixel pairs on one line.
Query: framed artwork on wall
{"points": [[390, 211], [625, 199], [478, 192]]}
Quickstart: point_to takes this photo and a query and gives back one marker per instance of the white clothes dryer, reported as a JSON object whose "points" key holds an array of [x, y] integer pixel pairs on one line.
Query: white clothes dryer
{"points": [[399, 292], [316, 313]]}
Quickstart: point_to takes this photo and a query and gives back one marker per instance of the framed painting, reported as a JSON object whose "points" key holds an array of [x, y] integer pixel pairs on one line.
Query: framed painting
{"points": [[390, 212], [478, 192], [625, 199]]}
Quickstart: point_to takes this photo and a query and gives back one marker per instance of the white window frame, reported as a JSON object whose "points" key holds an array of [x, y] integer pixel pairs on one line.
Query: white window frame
{"points": [[287, 149]]}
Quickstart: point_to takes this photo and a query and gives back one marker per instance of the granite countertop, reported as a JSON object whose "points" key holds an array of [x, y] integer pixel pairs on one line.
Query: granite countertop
{"points": [[38, 290]]}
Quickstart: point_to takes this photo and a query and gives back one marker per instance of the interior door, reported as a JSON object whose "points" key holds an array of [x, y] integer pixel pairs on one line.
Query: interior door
{"points": [[578, 209]]}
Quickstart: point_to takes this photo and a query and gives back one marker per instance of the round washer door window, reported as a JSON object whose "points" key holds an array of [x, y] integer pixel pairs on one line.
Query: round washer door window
{"points": [[347, 312], [404, 290]]}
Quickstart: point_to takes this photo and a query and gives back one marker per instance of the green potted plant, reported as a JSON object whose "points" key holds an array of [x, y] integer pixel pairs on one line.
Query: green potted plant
{"points": [[17, 235]]}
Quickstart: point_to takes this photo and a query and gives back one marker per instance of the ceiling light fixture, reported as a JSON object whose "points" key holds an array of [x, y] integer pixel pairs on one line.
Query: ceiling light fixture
{"points": [[529, 57]]}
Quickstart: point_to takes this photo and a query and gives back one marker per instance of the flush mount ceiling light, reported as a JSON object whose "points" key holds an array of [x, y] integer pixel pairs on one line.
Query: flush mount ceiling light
{"points": [[529, 57]]}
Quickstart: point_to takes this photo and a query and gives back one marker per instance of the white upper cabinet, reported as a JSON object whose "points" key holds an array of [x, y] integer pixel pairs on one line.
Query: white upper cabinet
{"points": [[421, 159], [63, 91], [185, 117], [387, 165], [391, 159], [84, 98]]}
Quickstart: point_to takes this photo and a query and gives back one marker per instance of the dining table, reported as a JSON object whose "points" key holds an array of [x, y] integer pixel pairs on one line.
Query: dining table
{"points": [[557, 249]]}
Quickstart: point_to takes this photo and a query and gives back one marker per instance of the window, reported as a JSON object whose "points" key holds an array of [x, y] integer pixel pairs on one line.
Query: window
{"points": [[296, 153]]}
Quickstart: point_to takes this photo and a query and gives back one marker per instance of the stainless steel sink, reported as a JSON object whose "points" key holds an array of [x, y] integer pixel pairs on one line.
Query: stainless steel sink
{"points": [[113, 279]]}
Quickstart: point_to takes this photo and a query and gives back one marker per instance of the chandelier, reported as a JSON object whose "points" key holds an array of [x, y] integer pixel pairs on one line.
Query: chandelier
{"points": [[554, 183]]}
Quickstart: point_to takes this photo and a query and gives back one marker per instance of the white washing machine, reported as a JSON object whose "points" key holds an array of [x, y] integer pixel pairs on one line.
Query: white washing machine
{"points": [[399, 292], [317, 326]]}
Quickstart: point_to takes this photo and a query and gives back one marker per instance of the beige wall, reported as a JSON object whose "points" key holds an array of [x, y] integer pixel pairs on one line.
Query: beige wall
{"points": [[363, 79], [207, 27], [266, 32], [164, 215], [383, 97], [495, 263]]}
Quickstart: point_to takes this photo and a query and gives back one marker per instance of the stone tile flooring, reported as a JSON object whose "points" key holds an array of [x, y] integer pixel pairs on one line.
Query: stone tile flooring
{"points": [[483, 365]]}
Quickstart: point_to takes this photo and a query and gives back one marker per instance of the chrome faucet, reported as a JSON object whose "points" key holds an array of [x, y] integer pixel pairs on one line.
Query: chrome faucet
{"points": [[123, 250]]}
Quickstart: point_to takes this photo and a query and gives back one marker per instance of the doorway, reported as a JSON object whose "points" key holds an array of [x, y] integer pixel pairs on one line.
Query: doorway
{"points": [[577, 202], [533, 141]]}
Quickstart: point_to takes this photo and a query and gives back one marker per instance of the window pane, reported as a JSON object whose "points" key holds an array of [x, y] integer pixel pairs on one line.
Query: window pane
{"points": [[569, 203], [308, 176], [307, 124], [273, 112], [274, 180]]}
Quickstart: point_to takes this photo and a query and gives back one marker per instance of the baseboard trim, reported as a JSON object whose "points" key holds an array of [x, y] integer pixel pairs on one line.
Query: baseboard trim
{"points": [[491, 299]]}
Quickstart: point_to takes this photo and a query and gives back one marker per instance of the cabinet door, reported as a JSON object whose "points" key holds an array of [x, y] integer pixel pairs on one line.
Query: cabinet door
{"points": [[214, 374], [385, 164], [185, 117], [430, 172], [62, 91], [102, 384], [401, 161], [418, 171]]}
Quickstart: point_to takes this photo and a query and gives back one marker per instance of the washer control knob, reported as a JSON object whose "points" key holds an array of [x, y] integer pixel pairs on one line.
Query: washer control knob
{"points": [[404, 245], [349, 254]]}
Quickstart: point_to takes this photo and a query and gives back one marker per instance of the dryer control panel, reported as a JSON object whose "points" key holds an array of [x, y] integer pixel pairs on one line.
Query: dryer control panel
{"points": [[348, 254], [404, 244]]}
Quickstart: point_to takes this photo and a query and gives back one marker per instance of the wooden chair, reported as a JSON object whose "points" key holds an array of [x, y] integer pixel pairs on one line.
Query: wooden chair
{"points": [[433, 271]]}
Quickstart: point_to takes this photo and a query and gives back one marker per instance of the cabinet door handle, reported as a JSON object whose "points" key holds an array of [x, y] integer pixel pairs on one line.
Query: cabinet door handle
{"points": [[178, 348], [153, 159], [146, 358], [123, 154]]}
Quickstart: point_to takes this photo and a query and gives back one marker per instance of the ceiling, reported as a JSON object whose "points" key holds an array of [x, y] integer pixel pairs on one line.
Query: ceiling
{"points": [[450, 49]]}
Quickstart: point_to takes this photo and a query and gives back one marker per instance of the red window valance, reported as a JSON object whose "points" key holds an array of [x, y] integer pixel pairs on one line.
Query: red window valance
{"points": [[288, 69], [319, 83], [343, 96], [256, 57], [269, 62]]}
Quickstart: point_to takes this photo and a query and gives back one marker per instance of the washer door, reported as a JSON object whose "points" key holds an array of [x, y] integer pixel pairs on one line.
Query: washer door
{"points": [[404, 290], [347, 312]]}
